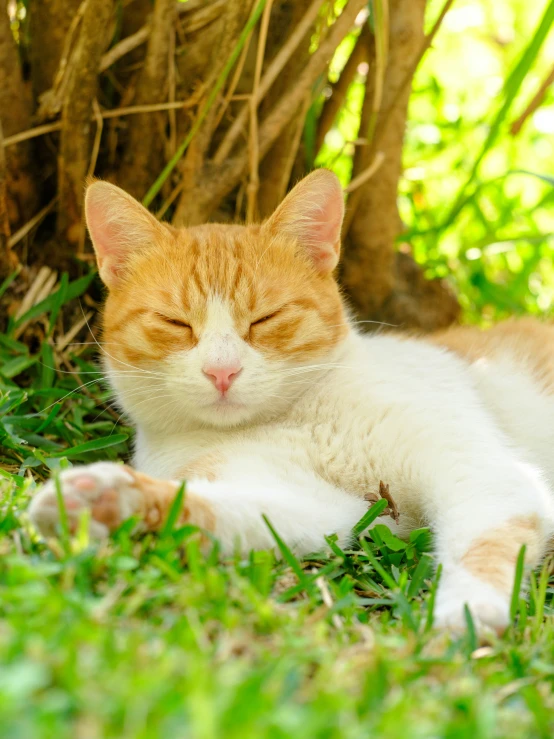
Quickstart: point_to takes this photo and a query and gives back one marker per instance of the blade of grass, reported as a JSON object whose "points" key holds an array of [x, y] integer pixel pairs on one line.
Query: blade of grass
{"points": [[431, 601], [288, 556], [540, 597], [518, 579], [368, 518], [48, 420], [421, 571], [60, 297], [511, 88], [174, 511], [92, 446], [472, 639], [377, 566], [8, 281], [64, 525]]}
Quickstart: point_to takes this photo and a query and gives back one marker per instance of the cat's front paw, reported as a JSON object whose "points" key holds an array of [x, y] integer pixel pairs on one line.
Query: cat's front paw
{"points": [[106, 489], [489, 608]]}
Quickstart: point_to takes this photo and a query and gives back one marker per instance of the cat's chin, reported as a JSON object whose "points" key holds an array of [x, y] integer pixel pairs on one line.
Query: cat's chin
{"points": [[225, 413]]}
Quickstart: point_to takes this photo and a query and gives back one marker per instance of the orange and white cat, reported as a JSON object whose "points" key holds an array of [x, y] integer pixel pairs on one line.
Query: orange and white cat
{"points": [[231, 350]]}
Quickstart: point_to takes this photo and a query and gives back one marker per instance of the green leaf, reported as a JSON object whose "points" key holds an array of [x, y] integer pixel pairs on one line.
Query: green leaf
{"points": [[538, 175], [60, 297], [288, 556], [16, 366], [422, 571], [64, 525], [510, 90], [518, 579], [389, 539], [431, 600], [8, 281], [471, 630], [368, 518], [48, 366], [174, 511], [74, 289], [92, 446]]}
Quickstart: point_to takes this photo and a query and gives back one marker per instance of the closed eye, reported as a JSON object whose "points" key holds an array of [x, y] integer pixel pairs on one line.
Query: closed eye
{"points": [[263, 319], [173, 321]]}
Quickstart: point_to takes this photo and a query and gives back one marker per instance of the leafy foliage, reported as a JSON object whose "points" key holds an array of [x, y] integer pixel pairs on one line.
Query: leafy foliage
{"points": [[477, 201]]}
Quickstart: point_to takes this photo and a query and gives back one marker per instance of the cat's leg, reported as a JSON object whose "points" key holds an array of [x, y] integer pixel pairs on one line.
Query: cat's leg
{"points": [[302, 508], [481, 520]]}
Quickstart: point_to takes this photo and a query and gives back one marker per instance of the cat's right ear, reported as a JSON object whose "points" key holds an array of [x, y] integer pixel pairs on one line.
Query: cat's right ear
{"points": [[117, 224]]}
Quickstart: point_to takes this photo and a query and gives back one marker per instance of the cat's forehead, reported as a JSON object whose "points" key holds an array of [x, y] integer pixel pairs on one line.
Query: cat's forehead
{"points": [[237, 262]]}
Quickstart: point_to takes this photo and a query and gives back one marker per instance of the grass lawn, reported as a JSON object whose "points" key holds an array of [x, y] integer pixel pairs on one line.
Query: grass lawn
{"points": [[150, 638]]}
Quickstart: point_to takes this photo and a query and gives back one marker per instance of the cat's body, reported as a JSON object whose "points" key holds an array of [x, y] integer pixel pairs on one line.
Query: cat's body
{"points": [[230, 350]]}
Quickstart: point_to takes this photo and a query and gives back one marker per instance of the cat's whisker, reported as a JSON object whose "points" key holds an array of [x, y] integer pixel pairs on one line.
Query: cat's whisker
{"points": [[139, 369], [64, 397]]}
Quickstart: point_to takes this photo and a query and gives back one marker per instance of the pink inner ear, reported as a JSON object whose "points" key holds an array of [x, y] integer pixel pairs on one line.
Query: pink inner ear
{"points": [[312, 213], [105, 235], [321, 230]]}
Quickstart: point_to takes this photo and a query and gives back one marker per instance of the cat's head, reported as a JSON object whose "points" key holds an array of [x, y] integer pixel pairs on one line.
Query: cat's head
{"points": [[218, 324]]}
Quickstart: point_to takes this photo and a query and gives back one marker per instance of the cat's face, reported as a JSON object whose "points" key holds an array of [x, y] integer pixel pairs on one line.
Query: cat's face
{"points": [[217, 324]]}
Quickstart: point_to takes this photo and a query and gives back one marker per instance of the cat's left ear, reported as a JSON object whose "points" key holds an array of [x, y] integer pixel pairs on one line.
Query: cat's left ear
{"points": [[118, 224], [312, 214]]}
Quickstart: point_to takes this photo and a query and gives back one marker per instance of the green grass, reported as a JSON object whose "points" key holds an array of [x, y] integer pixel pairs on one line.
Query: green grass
{"points": [[149, 637]]}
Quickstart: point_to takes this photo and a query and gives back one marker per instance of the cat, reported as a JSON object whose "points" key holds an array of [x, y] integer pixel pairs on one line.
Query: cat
{"points": [[231, 349]]}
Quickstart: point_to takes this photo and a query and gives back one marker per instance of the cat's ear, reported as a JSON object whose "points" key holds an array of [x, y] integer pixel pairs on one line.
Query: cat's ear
{"points": [[312, 214], [117, 224]]}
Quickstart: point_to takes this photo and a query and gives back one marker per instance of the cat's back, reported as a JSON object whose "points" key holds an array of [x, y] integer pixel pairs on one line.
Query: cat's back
{"points": [[526, 343], [512, 367]]}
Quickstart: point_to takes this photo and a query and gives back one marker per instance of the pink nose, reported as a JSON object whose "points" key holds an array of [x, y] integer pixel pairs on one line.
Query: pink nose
{"points": [[222, 377]]}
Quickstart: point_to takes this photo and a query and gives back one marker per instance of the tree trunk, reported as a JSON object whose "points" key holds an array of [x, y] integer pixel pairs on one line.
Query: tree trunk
{"points": [[49, 22], [143, 158], [218, 180], [190, 208], [15, 113], [75, 148], [8, 260], [250, 141], [379, 284], [276, 166]]}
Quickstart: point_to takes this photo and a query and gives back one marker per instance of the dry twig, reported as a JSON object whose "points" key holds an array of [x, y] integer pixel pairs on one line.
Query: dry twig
{"points": [[535, 103], [253, 149], [339, 89], [35, 220], [384, 494], [271, 74], [213, 189], [367, 174]]}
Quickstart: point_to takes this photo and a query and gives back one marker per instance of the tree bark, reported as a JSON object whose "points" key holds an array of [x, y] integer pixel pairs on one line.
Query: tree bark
{"points": [[15, 114], [49, 22], [275, 168], [8, 260], [190, 207], [74, 154], [144, 148], [377, 282], [216, 181]]}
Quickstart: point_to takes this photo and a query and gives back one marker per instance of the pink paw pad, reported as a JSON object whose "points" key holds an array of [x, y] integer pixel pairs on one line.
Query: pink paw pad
{"points": [[85, 483]]}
